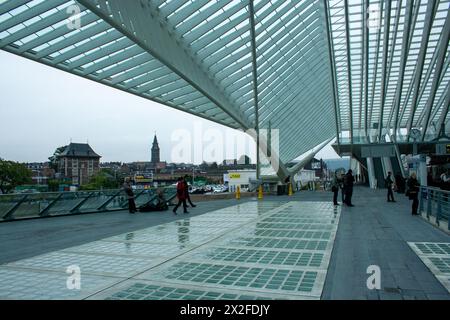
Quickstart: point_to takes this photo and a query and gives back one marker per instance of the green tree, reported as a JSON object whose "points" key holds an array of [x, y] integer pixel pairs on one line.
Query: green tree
{"points": [[54, 158], [53, 185], [13, 174], [102, 180], [213, 166]]}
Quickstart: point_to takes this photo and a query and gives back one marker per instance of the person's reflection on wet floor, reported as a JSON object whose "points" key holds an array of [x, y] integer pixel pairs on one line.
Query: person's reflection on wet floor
{"points": [[183, 233], [128, 237]]}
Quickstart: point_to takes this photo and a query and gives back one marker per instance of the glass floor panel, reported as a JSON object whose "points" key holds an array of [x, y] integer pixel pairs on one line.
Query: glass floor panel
{"points": [[436, 256], [154, 290], [39, 285]]}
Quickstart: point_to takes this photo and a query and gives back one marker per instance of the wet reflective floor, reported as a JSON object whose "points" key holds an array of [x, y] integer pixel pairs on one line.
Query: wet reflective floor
{"points": [[254, 250]]}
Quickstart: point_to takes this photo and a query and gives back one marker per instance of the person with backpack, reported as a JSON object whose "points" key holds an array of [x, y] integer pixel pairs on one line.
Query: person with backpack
{"points": [[181, 195], [389, 182], [413, 192]]}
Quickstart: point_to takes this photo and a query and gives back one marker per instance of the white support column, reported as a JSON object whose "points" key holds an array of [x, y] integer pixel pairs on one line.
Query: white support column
{"points": [[423, 170], [387, 164]]}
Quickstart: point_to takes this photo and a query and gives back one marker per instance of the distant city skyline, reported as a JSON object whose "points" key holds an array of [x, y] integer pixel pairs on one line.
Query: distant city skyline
{"points": [[43, 108]]}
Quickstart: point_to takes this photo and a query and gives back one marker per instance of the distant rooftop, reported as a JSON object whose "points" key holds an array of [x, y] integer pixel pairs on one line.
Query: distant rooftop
{"points": [[79, 150]]}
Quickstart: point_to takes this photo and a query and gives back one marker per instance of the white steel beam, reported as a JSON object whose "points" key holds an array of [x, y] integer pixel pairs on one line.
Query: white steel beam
{"points": [[140, 22]]}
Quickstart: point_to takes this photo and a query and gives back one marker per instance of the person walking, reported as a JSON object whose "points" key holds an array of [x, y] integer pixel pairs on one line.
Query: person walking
{"points": [[348, 187], [413, 192], [335, 189], [389, 181], [181, 195], [130, 194], [186, 187]]}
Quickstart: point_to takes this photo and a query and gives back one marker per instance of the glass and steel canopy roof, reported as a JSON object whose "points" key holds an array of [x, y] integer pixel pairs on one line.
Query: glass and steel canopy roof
{"points": [[319, 70]]}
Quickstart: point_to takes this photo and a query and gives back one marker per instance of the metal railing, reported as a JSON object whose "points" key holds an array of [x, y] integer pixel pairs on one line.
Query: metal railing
{"points": [[49, 204], [435, 203]]}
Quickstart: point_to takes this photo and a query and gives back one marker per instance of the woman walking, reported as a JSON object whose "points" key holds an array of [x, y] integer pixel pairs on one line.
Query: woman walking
{"points": [[413, 192]]}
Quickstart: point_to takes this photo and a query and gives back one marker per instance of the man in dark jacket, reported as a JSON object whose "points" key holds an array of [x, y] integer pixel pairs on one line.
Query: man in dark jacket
{"points": [[389, 181], [413, 192], [186, 187], [400, 183], [130, 194], [348, 187]]}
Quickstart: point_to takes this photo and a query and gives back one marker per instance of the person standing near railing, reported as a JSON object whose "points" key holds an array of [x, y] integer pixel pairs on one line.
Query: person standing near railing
{"points": [[130, 194], [413, 192]]}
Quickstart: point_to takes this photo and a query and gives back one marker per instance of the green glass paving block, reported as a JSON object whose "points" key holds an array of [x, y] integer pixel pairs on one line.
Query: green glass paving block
{"points": [[181, 291], [144, 291], [297, 273], [294, 279], [289, 288], [136, 297], [282, 272], [151, 287], [197, 292], [273, 286], [120, 295], [309, 274], [291, 283], [228, 296], [209, 281], [308, 282], [159, 294], [190, 297]]}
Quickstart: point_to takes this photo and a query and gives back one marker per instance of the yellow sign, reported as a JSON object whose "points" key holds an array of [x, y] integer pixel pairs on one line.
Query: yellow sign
{"points": [[235, 175]]}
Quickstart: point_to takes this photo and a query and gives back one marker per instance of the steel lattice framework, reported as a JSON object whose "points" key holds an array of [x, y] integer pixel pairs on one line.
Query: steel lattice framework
{"points": [[312, 69]]}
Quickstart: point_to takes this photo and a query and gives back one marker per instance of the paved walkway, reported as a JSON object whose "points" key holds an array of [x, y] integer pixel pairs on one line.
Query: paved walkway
{"points": [[376, 232], [296, 247]]}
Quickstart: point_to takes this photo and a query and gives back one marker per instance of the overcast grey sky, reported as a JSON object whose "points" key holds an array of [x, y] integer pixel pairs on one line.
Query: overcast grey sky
{"points": [[42, 108]]}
